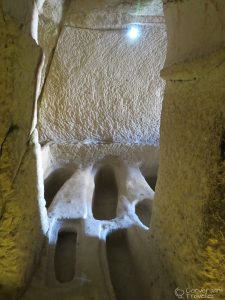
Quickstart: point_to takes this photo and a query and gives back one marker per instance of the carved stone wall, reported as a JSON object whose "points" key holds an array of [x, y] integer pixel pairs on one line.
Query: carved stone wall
{"points": [[21, 216], [188, 216]]}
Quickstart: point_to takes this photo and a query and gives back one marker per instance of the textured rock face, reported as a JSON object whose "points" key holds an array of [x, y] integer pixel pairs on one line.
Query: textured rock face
{"points": [[103, 87], [49, 27], [208, 26], [21, 232], [190, 187]]}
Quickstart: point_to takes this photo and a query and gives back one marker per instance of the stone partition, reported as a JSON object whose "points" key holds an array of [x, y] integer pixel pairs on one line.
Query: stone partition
{"points": [[22, 217], [188, 215]]}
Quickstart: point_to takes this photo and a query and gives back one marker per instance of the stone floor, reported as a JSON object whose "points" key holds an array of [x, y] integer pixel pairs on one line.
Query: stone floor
{"points": [[98, 219]]}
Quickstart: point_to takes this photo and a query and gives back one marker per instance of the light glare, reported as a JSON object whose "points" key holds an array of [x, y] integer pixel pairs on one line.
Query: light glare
{"points": [[133, 32]]}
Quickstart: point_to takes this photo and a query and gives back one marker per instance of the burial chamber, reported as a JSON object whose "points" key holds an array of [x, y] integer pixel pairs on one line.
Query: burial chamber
{"points": [[112, 154], [97, 160]]}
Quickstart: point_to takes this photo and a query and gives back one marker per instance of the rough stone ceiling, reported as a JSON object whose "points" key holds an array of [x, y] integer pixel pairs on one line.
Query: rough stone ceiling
{"points": [[104, 66], [147, 7], [133, 7]]}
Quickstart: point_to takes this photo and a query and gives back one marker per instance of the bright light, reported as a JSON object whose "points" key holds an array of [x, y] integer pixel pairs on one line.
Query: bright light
{"points": [[133, 32]]}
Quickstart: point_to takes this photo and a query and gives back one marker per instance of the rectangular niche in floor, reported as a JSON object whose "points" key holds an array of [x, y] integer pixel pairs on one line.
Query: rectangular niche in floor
{"points": [[124, 276], [105, 194], [65, 256]]}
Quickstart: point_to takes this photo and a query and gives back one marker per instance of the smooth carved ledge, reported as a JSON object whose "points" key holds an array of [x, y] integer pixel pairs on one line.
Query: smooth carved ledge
{"points": [[74, 197]]}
